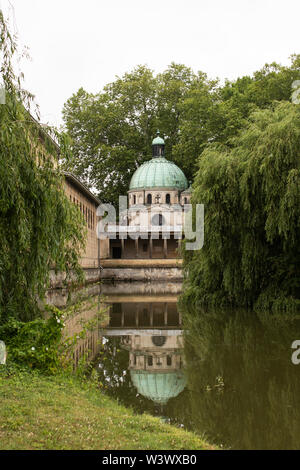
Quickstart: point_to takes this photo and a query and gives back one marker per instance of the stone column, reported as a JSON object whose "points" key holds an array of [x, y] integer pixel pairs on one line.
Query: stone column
{"points": [[166, 314], [151, 314], [137, 316], [165, 247], [122, 247], [179, 245], [150, 246], [136, 241]]}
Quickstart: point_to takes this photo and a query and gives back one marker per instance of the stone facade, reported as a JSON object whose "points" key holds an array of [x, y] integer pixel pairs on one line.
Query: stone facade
{"points": [[87, 203], [159, 195], [152, 226]]}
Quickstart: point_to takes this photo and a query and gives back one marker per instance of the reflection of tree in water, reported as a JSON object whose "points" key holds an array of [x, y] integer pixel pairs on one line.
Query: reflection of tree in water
{"points": [[244, 390], [114, 378]]}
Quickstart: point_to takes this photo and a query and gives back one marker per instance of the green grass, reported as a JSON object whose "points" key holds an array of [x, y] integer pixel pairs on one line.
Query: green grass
{"points": [[64, 412]]}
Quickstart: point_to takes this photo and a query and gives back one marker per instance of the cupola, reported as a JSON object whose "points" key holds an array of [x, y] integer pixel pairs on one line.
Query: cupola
{"points": [[158, 146]]}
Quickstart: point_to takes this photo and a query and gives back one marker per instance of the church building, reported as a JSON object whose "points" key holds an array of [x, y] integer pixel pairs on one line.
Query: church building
{"points": [[157, 193]]}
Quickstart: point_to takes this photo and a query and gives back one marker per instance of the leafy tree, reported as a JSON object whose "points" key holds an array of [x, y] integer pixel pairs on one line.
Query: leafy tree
{"points": [[113, 130], [214, 113], [39, 228], [251, 194], [198, 121], [173, 86]]}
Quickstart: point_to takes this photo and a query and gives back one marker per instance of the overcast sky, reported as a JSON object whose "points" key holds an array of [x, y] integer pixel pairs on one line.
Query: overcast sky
{"points": [[76, 43]]}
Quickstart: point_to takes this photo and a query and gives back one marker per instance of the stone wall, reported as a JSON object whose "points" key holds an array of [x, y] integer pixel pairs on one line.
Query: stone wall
{"points": [[141, 291], [57, 279], [143, 274]]}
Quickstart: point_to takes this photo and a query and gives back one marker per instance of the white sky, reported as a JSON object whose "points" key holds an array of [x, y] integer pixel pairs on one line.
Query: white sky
{"points": [[76, 43]]}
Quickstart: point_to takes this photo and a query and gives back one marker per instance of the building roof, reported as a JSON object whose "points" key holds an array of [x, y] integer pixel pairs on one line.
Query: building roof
{"points": [[82, 187], [158, 140], [158, 386], [158, 173]]}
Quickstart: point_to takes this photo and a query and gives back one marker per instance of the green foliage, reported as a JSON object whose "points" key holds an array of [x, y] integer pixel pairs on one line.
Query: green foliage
{"points": [[87, 326], [252, 224], [112, 130], [39, 228], [36, 344], [45, 345], [212, 113]]}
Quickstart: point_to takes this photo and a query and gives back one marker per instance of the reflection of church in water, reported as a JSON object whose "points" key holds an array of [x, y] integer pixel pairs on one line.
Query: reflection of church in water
{"points": [[152, 334]]}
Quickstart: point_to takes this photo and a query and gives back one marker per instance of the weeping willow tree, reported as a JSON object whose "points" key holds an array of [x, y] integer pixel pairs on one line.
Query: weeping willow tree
{"points": [[39, 228], [251, 253]]}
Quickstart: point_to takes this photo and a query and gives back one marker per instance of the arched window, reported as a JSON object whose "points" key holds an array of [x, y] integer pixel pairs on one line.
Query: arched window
{"points": [[149, 199], [185, 200], [168, 199], [134, 199]]}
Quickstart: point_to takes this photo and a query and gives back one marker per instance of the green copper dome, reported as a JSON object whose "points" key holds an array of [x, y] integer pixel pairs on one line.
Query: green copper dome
{"points": [[158, 173], [158, 387]]}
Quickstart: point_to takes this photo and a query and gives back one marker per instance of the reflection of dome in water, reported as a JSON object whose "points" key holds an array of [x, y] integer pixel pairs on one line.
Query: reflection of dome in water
{"points": [[158, 387]]}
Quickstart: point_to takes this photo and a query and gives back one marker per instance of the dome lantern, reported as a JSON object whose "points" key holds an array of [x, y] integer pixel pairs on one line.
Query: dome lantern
{"points": [[158, 172], [158, 146]]}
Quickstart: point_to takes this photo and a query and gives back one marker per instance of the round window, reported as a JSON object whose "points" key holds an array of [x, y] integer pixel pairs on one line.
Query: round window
{"points": [[157, 220], [159, 340]]}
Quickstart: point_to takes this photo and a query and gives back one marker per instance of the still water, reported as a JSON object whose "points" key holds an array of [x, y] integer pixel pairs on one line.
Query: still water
{"points": [[227, 376]]}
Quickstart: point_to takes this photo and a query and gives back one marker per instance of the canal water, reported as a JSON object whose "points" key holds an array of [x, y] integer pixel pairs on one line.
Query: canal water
{"points": [[226, 375]]}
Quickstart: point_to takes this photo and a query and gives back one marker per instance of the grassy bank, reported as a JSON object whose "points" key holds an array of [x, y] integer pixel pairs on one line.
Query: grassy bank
{"points": [[63, 412]]}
